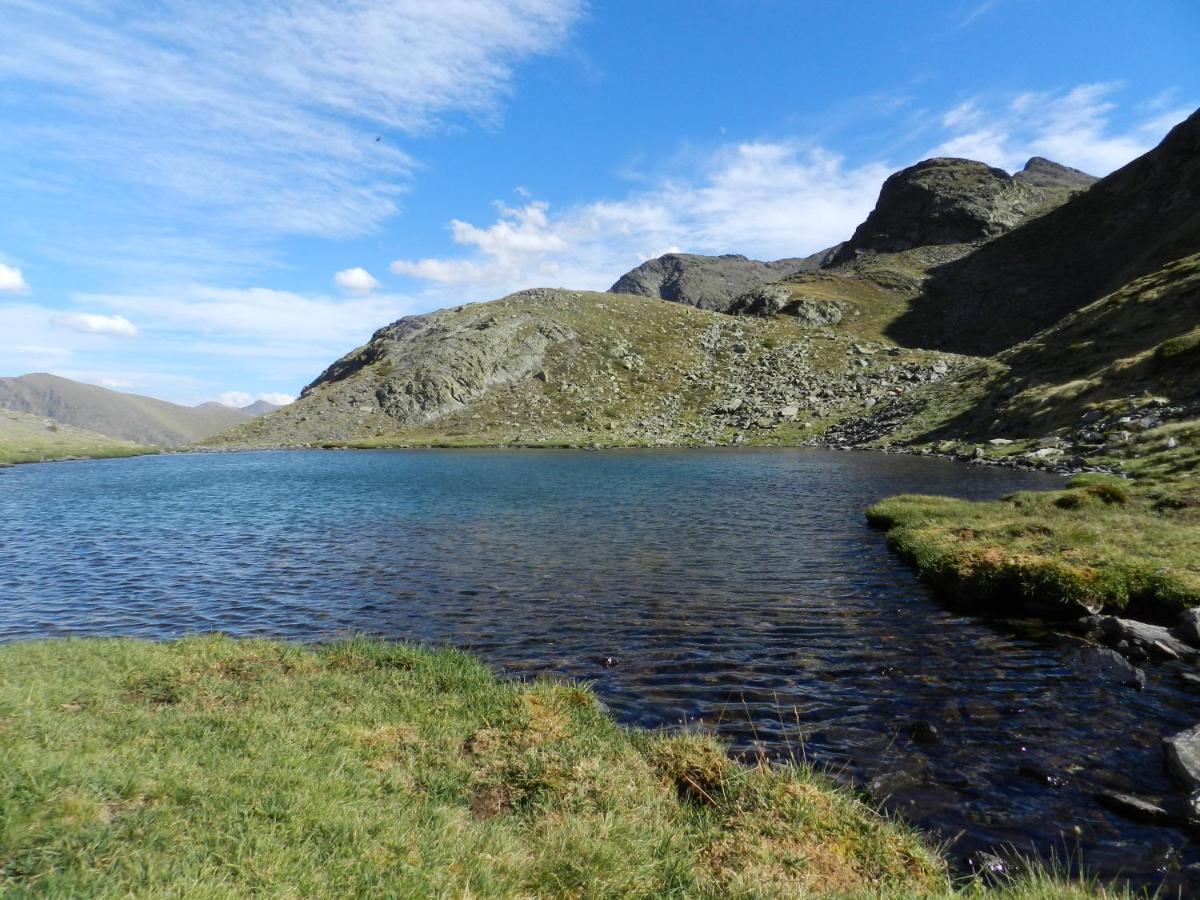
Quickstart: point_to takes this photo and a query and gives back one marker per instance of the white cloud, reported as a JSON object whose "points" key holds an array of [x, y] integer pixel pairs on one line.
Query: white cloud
{"points": [[260, 319], [236, 398], [764, 199], [276, 117], [239, 399], [197, 339], [356, 281], [12, 281], [1074, 127], [94, 323]]}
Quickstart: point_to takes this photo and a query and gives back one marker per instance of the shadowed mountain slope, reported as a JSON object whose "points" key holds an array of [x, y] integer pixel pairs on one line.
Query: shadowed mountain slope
{"points": [[1126, 225]]}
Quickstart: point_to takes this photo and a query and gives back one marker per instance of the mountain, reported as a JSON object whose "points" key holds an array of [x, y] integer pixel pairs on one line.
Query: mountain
{"points": [[554, 367], [1061, 297], [959, 201], [126, 417], [709, 282], [260, 408], [1126, 225], [28, 438]]}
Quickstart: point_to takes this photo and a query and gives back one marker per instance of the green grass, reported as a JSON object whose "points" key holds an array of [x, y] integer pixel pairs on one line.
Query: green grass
{"points": [[25, 438], [1104, 543], [219, 768], [211, 767]]}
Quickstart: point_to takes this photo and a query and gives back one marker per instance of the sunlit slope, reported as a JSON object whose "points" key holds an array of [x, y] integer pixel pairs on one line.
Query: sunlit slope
{"points": [[567, 367]]}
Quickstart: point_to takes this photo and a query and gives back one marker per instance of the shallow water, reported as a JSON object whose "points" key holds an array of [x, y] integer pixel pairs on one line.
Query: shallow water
{"points": [[736, 591]]}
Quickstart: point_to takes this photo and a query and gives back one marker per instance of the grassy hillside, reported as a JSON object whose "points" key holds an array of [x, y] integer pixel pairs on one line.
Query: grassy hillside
{"points": [[1120, 366], [1100, 545], [1116, 385], [552, 367], [126, 417], [25, 438]]}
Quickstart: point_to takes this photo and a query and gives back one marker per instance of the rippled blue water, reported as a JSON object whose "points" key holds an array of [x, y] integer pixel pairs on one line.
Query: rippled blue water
{"points": [[738, 591]]}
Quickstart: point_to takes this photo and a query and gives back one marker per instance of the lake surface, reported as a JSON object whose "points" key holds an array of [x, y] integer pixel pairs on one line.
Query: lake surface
{"points": [[735, 591]]}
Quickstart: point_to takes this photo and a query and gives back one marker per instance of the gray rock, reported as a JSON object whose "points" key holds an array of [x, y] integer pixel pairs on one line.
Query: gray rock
{"points": [[1110, 661], [1182, 752], [1149, 640], [1140, 809], [709, 282], [816, 312], [1000, 442], [956, 201], [1187, 626], [765, 300]]}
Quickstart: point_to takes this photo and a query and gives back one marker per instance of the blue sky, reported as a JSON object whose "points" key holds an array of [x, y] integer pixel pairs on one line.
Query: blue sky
{"points": [[217, 199]]}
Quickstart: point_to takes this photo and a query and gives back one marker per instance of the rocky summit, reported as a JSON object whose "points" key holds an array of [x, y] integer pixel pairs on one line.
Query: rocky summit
{"points": [[958, 201], [709, 282]]}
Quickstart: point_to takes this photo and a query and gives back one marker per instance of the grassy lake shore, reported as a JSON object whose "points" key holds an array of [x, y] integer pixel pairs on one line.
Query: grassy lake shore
{"points": [[216, 767]]}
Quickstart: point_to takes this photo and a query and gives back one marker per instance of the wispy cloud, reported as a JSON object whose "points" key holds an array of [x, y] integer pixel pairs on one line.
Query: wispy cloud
{"points": [[193, 340], [94, 323], [1074, 127], [275, 118], [976, 12], [764, 199], [771, 199]]}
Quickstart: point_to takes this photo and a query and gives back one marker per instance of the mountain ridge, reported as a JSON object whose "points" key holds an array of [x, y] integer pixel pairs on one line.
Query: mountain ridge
{"points": [[115, 414]]}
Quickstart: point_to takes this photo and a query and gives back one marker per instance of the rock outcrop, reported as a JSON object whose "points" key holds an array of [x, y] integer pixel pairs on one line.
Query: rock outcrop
{"points": [[571, 367], [426, 366], [958, 201], [709, 282]]}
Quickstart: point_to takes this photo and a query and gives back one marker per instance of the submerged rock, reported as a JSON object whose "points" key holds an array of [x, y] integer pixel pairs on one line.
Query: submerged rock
{"points": [[1142, 809]]}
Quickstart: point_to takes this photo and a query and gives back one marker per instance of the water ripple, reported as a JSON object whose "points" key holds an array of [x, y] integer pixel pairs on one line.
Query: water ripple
{"points": [[736, 592]]}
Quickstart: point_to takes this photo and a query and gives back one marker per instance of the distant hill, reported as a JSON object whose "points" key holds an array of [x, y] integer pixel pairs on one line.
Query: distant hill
{"points": [[260, 408], [709, 282], [126, 417]]}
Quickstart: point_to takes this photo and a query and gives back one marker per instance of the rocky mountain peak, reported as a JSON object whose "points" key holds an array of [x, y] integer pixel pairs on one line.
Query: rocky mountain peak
{"points": [[1045, 173], [945, 200], [709, 282]]}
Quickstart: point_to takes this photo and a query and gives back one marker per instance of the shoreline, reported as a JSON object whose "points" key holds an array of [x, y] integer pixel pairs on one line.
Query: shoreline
{"points": [[535, 777]]}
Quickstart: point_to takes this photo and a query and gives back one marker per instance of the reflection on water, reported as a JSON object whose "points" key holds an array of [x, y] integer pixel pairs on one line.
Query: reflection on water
{"points": [[738, 591]]}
